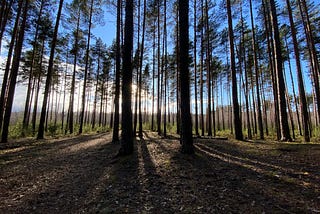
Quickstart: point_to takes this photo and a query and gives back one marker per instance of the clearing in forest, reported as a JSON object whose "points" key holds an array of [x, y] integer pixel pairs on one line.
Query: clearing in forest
{"points": [[80, 175]]}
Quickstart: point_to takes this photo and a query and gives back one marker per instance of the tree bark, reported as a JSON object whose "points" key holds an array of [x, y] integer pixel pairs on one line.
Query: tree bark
{"points": [[14, 74], [284, 126], [126, 120], [186, 124], [236, 110], [49, 73], [115, 132]]}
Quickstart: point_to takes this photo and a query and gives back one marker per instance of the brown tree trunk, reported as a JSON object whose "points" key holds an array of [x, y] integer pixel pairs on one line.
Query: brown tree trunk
{"points": [[186, 124], [256, 68], [284, 127], [49, 73], [115, 132], [14, 74], [126, 120], [236, 110]]}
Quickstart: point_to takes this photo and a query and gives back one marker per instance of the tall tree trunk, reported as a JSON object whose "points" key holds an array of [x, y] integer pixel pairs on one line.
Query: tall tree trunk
{"points": [[208, 68], [267, 22], [35, 105], [153, 74], [64, 94], [165, 65], [139, 65], [314, 62], [201, 78], [126, 120], [14, 74], [49, 73], [284, 126], [178, 75], [236, 110], [289, 105], [159, 72], [293, 87], [195, 64], [8, 63], [73, 81], [27, 103], [302, 94], [256, 68], [115, 132], [186, 124], [86, 70]]}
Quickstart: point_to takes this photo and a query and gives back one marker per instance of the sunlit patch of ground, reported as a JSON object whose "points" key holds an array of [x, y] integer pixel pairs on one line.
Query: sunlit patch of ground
{"points": [[81, 175]]}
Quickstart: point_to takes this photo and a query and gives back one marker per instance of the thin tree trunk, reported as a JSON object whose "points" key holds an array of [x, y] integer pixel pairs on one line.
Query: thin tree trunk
{"points": [[141, 62], [115, 133], [195, 64], [49, 73], [4, 16], [256, 68], [236, 110], [208, 68], [8, 63], [14, 74], [284, 127], [293, 88], [86, 70]]}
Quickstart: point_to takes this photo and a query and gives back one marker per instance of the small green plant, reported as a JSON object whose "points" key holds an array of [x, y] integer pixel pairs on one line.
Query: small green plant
{"points": [[52, 129], [15, 130]]}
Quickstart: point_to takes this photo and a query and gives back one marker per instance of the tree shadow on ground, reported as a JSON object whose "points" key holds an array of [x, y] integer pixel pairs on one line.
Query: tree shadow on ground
{"points": [[52, 177], [79, 175]]}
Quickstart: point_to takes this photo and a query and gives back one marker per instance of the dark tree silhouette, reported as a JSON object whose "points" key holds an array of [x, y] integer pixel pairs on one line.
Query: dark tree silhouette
{"points": [[236, 110], [126, 119], [186, 125], [49, 74]]}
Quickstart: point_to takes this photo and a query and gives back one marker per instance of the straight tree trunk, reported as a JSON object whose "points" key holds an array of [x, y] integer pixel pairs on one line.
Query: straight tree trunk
{"points": [[73, 81], [153, 75], [126, 121], [284, 126], [115, 132], [208, 68], [195, 64], [267, 22], [86, 70], [14, 73], [236, 110], [8, 63], [256, 68], [186, 124], [49, 73], [159, 73], [4, 16], [201, 79], [27, 103], [165, 65], [293, 87], [302, 93]]}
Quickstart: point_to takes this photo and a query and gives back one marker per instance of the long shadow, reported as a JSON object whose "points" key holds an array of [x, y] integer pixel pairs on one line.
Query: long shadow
{"points": [[54, 183], [249, 186], [36, 149], [137, 184], [294, 169]]}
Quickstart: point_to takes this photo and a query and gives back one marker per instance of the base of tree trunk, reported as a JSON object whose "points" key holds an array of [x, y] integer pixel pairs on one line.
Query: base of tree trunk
{"points": [[283, 139], [123, 152], [186, 149]]}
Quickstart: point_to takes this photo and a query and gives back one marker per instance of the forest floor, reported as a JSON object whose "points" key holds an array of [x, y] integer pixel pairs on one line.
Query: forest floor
{"points": [[82, 175]]}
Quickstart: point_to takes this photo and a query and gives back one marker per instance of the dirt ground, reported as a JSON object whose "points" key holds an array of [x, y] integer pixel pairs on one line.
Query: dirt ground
{"points": [[81, 175]]}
